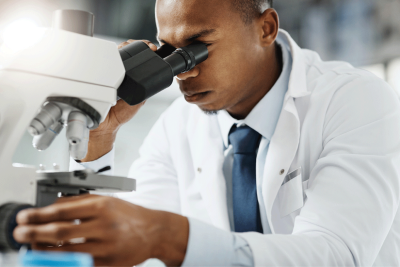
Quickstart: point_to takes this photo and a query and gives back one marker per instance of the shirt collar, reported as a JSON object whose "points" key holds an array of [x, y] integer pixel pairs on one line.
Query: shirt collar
{"points": [[265, 115]]}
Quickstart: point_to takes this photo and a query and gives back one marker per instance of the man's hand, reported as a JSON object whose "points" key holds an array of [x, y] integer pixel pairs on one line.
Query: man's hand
{"points": [[116, 233], [102, 139]]}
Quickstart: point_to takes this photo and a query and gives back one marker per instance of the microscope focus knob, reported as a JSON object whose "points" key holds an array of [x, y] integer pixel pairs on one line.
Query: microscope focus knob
{"points": [[8, 215]]}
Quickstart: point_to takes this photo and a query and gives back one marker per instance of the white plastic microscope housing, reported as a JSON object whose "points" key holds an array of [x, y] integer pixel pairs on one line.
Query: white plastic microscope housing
{"points": [[60, 64]]}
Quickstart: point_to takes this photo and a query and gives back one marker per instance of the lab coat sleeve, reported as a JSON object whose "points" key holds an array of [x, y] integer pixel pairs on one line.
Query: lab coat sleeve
{"points": [[154, 171], [353, 192], [222, 248]]}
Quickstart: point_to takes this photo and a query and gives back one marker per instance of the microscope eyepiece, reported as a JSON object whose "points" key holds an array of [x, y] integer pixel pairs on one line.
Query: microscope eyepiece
{"points": [[148, 72], [186, 58], [197, 52]]}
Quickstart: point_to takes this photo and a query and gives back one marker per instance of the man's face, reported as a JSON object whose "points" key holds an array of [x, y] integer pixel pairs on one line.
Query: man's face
{"points": [[231, 72]]}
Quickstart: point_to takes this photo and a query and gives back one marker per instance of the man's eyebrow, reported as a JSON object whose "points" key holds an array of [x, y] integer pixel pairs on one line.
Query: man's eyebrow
{"points": [[202, 33], [193, 37]]}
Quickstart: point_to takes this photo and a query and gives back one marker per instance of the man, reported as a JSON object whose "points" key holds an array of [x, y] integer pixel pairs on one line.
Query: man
{"points": [[299, 157]]}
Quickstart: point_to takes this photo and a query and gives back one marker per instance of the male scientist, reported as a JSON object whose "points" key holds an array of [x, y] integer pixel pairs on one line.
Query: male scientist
{"points": [[272, 158]]}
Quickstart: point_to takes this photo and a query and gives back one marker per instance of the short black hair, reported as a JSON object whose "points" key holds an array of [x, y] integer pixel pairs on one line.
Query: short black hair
{"points": [[251, 9]]}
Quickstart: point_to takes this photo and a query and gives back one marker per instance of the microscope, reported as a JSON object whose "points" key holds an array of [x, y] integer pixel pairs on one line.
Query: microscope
{"points": [[69, 79]]}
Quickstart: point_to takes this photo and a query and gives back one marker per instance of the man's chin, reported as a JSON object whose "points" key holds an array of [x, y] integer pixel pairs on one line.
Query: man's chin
{"points": [[210, 112], [208, 106]]}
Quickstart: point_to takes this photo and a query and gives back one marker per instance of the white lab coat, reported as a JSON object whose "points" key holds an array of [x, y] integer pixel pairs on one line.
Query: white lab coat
{"points": [[341, 125]]}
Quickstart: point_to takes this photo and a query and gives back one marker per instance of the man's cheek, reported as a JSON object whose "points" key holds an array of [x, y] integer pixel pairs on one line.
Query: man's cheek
{"points": [[213, 72]]}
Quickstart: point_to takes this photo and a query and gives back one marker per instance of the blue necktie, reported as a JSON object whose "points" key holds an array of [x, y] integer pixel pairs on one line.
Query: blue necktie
{"points": [[246, 212]]}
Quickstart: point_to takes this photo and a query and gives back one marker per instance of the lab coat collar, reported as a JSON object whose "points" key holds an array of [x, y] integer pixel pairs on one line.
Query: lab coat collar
{"points": [[297, 80], [264, 116]]}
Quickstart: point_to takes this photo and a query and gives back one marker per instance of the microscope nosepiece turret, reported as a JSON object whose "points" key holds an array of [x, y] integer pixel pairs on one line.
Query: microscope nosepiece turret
{"points": [[59, 112]]}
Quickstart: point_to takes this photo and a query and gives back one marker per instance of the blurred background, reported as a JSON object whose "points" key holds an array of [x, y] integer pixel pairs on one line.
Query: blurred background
{"points": [[365, 33]]}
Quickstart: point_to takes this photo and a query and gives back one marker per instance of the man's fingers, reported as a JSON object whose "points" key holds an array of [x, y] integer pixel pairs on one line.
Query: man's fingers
{"points": [[83, 208], [100, 251], [52, 233], [122, 45], [34, 245], [91, 247], [73, 198], [150, 44]]}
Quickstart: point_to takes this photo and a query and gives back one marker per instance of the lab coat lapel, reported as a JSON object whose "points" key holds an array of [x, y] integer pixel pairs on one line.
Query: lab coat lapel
{"points": [[206, 147], [281, 153], [285, 141]]}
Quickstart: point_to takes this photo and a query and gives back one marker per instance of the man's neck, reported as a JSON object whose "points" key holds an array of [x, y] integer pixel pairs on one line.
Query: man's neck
{"points": [[242, 109]]}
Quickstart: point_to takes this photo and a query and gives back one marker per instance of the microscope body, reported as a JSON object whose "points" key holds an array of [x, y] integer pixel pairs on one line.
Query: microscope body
{"points": [[68, 79], [64, 80], [61, 66]]}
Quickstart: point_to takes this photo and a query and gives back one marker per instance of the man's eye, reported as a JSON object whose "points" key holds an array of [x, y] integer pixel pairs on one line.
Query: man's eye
{"points": [[208, 44]]}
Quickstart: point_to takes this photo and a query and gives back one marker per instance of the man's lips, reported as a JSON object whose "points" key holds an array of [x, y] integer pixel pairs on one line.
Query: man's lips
{"points": [[192, 93], [195, 97]]}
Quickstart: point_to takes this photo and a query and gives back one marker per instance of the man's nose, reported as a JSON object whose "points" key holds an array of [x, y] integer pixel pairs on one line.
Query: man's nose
{"points": [[190, 74]]}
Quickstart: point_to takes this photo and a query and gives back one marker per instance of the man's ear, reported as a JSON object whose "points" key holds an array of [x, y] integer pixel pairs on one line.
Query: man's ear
{"points": [[269, 27]]}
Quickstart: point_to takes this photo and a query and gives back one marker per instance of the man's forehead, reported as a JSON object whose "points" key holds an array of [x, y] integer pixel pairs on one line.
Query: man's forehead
{"points": [[185, 19], [189, 12], [192, 5]]}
